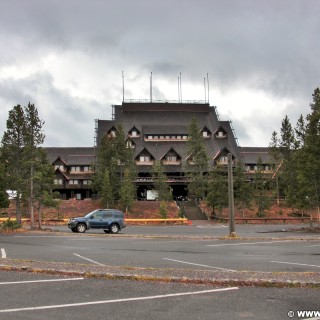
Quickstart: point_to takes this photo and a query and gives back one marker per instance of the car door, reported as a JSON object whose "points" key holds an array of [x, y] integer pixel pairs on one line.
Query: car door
{"points": [[107, 218], [96, 220]]}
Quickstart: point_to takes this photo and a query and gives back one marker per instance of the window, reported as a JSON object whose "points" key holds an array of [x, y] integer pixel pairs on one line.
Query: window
{"points": [[185, 137], [172, 158], [86, 169], [75, 169], [73, 182], [58, 181], [205, 134], [223, 159], [59, 166], [87, 182], [144, 158], [134, 133]]}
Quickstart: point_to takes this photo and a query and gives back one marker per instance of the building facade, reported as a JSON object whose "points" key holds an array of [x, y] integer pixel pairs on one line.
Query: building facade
{"points": [[156, 131]]}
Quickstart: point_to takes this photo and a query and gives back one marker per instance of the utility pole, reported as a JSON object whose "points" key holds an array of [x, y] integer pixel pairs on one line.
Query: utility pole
{"points": [[231, 197]]}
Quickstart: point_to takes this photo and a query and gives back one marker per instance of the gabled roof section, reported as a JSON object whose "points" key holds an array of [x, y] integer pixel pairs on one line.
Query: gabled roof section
{"points": [[144, 152], [205, 129], [130, 143], [58, 171], [134, 128], [59, 160], [54, 153], [222, 130], [170, 153], [222, 153]]}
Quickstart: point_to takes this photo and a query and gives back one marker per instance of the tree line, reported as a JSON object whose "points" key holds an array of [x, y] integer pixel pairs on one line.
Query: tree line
{"points": [[294, 153]]}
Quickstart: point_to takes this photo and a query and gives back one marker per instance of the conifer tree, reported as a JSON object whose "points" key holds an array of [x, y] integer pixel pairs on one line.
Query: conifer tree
{"points": [[160, 182], [198, 160]]}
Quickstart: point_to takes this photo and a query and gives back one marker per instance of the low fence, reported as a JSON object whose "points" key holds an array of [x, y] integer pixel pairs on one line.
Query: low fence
{"points": [[128, 221], [266, 219]]}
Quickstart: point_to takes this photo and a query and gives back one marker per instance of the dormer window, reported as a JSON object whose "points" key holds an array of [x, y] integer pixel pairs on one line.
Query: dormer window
{"points": [[206, 132], [222, 157], [112, 132], [144, 158], [221, 133], [171, 158], [134, 133], [130, 144]]}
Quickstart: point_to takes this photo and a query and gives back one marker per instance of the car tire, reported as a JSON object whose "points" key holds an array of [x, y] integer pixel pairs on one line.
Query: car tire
{"points": [[81, 228], [114, 228]]}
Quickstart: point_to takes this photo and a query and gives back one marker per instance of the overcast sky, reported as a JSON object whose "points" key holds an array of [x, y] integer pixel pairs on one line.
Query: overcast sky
{"points": [[67, 57]]}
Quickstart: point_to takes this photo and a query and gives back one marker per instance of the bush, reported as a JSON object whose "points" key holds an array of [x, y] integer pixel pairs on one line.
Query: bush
{"points": [[10, 225], [163, 210]]}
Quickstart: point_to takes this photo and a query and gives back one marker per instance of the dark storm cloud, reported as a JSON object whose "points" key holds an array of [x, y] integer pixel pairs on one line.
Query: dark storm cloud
{"points": [[268, 46]]}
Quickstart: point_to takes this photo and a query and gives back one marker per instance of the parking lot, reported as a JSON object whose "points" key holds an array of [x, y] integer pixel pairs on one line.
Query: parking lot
{"points": [[182, 248]]}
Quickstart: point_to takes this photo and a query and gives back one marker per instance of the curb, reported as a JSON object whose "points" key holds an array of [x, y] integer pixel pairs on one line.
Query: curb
{"points": [[209, 277]]}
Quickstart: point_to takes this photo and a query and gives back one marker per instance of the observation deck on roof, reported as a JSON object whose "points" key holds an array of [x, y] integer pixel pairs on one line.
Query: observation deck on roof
{"points": [[166, 105]]}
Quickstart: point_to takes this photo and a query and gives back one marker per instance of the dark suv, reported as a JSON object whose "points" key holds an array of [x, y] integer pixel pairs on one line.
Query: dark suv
{"points": [[110, 220]]}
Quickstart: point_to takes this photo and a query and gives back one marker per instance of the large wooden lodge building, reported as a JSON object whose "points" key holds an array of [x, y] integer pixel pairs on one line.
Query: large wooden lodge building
{"points": [[155, 131]]}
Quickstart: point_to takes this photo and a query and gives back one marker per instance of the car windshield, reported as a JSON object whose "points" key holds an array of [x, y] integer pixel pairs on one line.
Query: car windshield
{"points": [[88, 215]]}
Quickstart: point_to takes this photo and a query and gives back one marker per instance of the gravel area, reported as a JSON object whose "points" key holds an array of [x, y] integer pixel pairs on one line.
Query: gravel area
{"points": [[242, 278]]}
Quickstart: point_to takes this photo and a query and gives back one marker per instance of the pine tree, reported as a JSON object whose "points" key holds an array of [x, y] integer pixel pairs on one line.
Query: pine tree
{"points": [[260, 190], [127, 191], [160, 182], [198, 161], [21, 152], [242, 189], [217, 191], [4, 201], [107, 190], [13, 143]]}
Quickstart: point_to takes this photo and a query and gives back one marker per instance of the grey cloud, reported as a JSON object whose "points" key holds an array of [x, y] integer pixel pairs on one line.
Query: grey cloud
{"points": [[261, 45]]}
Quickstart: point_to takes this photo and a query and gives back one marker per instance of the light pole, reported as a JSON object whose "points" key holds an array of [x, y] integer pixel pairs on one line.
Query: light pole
{"points": [[231, 197]]}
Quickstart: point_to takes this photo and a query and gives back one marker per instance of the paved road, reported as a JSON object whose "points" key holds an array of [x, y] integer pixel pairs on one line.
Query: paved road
{"points": [[271, 255], [210, 229], [35, 296]]}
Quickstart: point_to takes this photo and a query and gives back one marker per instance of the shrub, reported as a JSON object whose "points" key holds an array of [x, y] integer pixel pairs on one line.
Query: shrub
{"points": [[163, 210], [10, 225]]}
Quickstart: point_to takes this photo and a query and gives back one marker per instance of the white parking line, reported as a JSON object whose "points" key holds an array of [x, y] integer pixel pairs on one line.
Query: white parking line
{"points": [[95, 262], [200, 265], [117, 300], [39, 281], [3, 254], [298, 264], [243, 243]]}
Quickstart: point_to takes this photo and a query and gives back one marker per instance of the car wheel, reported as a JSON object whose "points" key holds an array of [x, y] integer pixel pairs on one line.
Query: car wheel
{"points": [[74, 230], [114, 228], [81, 227]]}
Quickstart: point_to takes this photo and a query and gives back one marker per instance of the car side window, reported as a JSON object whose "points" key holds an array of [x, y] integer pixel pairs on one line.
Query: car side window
{"points": [[107, 215], [97, 215]]}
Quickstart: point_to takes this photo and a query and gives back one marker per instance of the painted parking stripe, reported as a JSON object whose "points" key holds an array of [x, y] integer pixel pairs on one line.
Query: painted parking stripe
{"points": [[117, 300], [200, 265], [93, 261], [244, 243], [3, 254], [40, 281], [297, 264]]}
